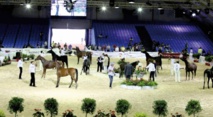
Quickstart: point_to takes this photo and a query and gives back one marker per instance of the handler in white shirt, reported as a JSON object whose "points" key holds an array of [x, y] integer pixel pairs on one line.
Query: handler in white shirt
{"points": [[172, 60], [32, 69], [152, 69], [20, 66], [177, 71]]}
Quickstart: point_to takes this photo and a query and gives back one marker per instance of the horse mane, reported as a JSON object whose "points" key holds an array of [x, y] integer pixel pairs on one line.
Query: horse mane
{"points": [[134, 64]]}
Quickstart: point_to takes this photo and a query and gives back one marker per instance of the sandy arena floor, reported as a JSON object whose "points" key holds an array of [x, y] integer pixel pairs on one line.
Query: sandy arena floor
{"points": [[96, 85]]}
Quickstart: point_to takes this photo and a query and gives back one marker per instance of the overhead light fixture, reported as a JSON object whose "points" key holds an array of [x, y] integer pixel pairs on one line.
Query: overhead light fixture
{"points": [[131, 1], [160, 8], [28, 6], [140, 9], [193, 14], [103, 8], [116, 6]]}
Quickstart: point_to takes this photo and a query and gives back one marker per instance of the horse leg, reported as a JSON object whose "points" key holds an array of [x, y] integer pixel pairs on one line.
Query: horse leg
{"points": [[204, 83], [192, 74], [212, 82], [186, 75], [44, 73], [78, 60], [58, 80], [208, 81]]}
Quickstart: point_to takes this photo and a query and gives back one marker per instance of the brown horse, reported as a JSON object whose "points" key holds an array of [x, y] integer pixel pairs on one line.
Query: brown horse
{"points": [[80, 54], [46, 64], [62, 72], [189, 67]]}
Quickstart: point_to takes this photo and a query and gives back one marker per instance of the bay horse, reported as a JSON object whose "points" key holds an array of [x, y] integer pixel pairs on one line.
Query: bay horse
{"points": [[189, 67], [46, 64], [62, 72], [80, 54], [157, 59], [86, 66], [63, 59], [122, 67], [209, 73]]}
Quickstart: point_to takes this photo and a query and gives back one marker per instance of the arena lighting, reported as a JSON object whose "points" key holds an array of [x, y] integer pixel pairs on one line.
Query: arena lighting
{"points": [[103, 8], [193, 14], [131, 1], [140, 9], [116, 6], [28, 6], [160, 8]]}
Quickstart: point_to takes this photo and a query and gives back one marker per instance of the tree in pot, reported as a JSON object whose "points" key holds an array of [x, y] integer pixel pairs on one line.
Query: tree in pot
{"points": [[160, 108], [16, 105], [122, 107], [51, 107], [193, 107], [88, 105]]}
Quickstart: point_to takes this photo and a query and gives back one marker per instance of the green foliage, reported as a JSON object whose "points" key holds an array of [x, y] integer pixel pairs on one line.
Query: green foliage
{"points": [[121, 62], [5, 59], [196, 55], [88, 105], [51, 106], [38, 113], [2, 113], [142, 71], [140, 83], [193, 107], [68, 113], [24, 56], [122, 106], [160, 108], [209, 58], [8, 58], [16, 105], [32, 56], [140, 115]]}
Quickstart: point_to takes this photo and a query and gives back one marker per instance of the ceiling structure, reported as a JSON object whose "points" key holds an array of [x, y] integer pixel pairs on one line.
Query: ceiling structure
{"points": [[166, 4]]}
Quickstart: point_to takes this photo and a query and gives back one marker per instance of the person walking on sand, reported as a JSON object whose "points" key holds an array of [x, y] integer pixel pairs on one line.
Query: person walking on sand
{"points": [[111, 74], [32, 69], [20, 66]]}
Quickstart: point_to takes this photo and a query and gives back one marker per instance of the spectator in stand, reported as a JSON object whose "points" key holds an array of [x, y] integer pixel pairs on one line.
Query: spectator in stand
{"points": [[191, 54], [70, 47], [108, 48], [65, 46], [45, 45]]}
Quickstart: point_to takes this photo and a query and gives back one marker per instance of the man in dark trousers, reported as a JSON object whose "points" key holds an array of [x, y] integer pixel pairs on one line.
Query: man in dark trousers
{"points": [[128, 71], [100, 63], [20, 66], [32, 70]]}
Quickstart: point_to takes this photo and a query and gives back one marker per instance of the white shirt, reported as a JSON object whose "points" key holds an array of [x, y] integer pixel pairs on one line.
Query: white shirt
{"points": [[151, 67], [41, 54], [84, 58], [32, 68], [172, 61], [176, 67], [62, 52], [20, 63], [111, 70]]}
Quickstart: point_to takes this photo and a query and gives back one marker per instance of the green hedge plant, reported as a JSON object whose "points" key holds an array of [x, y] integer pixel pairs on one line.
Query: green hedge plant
{"points": [[16, 105], [88, 105], [122, 107], [51, 107]]}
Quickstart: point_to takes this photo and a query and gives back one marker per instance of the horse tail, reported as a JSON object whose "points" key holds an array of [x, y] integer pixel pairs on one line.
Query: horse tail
{"points": [[76, 73]]}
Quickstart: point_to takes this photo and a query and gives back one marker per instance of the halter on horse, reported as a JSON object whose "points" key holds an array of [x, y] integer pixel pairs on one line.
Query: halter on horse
{"points": [[80, 54], [62, 72], [189, 67], [46, 64], [63, 59], [209, 73]]}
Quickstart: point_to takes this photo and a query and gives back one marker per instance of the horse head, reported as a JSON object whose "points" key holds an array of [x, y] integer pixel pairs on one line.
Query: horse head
{"points": [[38, 58]]}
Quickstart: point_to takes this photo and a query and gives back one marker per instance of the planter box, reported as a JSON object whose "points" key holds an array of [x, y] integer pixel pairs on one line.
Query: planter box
{"points": [[138, 87], [208, 64], [196, 60]]}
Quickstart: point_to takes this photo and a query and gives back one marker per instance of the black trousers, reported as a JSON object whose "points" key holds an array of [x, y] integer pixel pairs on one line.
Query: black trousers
{"points": [[100, 67], [32, 81], [152, 75], [20, 73]]}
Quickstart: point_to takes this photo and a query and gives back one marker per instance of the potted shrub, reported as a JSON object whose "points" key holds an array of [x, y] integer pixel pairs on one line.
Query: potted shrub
{"points": [[122, 107], [160, 108], [88, 105], [2, 113], [193, 107], [24, 56], [68, 113], [16, 105], [32, 56], [51, 106], [5, 60], [38, 113], [140, 115], [8, 60]]}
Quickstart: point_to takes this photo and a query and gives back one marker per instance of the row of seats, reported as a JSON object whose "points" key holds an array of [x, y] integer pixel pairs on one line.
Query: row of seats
{"points": [[18, 35], [175, 35]]}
